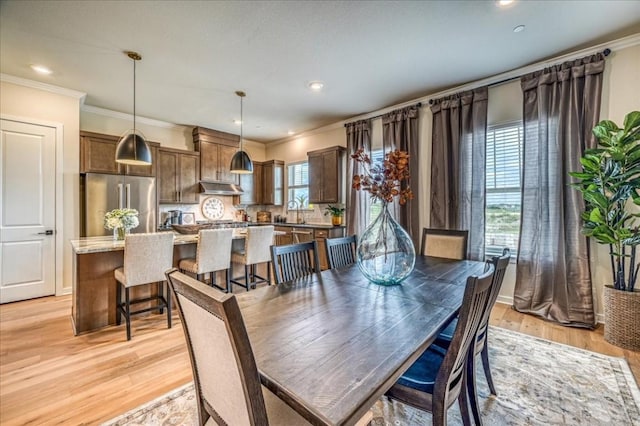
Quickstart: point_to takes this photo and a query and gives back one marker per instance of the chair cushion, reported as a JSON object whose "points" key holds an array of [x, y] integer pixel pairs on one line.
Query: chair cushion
{"points": [[189, 265], [446, 336], [422, 374]]}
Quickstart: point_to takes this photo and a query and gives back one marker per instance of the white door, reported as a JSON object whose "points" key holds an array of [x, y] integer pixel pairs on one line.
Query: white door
{"points": [[27, 211]]}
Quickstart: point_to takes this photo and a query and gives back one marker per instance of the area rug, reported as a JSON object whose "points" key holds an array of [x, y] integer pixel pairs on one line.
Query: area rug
{"points": [[539, 383]]}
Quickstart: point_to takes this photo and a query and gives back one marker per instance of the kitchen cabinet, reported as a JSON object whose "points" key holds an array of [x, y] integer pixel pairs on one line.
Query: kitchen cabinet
{"points": [[98, 155], [297, 233], [252, 184], [326, 170], [216, 150], [178, 176], [273, 182]]}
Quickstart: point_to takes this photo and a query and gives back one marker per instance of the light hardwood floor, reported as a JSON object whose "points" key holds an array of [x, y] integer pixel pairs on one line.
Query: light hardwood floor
{"points": [[48, 376]]}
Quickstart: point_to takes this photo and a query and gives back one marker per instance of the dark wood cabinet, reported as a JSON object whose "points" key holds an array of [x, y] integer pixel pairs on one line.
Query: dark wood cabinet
{"points": [[178, 176], [216, 150], [252, 184], [98, 155], [326, 171], [273, 182], [295, 234]]}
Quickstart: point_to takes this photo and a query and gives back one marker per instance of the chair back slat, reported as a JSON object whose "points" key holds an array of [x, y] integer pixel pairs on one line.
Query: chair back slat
{"points": [[341, 251], [445, 243], [294, 261], [225, 374], [500, 266]]}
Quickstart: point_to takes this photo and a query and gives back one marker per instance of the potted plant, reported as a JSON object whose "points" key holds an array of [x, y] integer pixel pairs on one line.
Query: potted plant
{"points": [[610, 184], [336, 213]]}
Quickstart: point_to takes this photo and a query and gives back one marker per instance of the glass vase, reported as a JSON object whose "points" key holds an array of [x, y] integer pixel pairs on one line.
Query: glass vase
{"points": [[119, 233], [385, 252]]}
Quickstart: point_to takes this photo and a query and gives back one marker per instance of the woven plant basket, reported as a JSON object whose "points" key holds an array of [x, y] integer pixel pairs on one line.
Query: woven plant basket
{"points": [[622, 318]]}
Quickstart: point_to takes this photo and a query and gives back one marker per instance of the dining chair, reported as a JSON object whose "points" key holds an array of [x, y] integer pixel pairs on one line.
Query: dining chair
{"points": [[439, 376], [445, 243], [294, 261], [213, 253], [341, 251], [146, 259], [481, 345], [257, 241], [225, 375]]}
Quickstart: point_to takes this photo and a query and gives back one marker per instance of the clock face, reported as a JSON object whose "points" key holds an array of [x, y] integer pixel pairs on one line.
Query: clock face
{"points": [[212, 208]]}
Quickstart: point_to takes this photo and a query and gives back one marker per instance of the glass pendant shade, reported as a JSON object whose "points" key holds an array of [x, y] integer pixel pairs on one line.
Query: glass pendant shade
{"points": [[241, 163], [132, 149]]}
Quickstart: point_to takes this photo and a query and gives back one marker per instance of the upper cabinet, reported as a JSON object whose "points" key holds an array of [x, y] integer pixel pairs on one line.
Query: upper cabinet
{"points": [[326, 170], [252, 184], [273, 182], [178, 176], [98, 155], [216, 150]]}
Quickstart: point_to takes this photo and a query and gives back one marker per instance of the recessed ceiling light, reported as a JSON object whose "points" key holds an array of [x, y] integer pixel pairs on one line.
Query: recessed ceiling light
{"points": [[316, 86], [41, 69], [503, 3], [291, 132], [237, 122], [518, 29]]}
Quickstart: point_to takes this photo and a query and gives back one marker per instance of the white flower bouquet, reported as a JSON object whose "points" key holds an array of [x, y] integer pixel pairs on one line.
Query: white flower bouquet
{"points": [[121, 218]]}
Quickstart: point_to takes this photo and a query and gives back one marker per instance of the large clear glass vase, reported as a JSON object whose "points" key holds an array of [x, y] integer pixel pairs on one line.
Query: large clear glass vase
{"points": [[385, 252]]}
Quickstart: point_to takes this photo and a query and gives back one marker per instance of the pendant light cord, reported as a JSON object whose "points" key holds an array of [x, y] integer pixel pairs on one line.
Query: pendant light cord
{"points": [[241, 124], [134, 98]]}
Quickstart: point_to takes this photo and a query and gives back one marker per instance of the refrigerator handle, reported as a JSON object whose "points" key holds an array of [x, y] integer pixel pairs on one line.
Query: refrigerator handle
{"points": [[119, 195], [128, 195]]}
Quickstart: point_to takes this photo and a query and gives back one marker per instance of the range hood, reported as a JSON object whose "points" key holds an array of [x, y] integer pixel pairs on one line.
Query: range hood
{"points": [[220, 188]]}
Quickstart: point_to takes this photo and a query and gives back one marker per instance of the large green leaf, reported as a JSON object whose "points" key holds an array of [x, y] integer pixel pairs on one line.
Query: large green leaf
{"points": [[631, 120]]}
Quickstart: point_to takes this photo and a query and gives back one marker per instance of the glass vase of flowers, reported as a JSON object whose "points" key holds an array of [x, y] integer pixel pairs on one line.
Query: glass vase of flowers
{"points": [[385, 252], [121, 221]]}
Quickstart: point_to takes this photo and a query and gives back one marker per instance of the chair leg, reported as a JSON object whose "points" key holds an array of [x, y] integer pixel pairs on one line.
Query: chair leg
{"points": [[127, 313], [227, 273], [118, 303], [160, 290], [472, 391], [168, 300], [246, 276], [439, 413], [268, 273], [464, 403], [487, 369]]}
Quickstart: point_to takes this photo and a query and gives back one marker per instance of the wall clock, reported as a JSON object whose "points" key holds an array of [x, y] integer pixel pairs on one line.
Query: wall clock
{"points": [[212, 208]]}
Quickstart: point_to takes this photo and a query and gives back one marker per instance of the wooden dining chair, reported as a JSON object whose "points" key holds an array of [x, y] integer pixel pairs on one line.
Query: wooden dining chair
{"points": [[500, 264], [294, 261], [445, 243], [341, 251], [439, 376], [225, 375]]}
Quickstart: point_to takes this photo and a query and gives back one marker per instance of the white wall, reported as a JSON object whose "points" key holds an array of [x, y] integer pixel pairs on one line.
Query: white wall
{"points": [[28, 103]]}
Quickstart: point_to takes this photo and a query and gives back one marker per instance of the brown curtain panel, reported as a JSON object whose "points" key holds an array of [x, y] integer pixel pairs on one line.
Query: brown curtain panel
{"points": [[400, 131], [561, 106], [458, 165], [358, 136]]}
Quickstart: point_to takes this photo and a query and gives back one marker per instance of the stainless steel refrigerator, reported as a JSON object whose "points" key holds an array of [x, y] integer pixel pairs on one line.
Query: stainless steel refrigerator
{"points": [[101, 193]]}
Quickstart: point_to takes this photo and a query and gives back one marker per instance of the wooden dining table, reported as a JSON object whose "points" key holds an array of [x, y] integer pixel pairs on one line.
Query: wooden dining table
{"points": [[332, 343]]}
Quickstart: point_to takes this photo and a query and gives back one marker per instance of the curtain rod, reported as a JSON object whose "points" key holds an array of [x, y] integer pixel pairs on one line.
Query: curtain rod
{"points": [[419, 104], [605, 52]]}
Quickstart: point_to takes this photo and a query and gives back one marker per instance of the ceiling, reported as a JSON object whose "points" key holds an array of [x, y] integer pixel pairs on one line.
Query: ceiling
{"points": [[370, 55]]}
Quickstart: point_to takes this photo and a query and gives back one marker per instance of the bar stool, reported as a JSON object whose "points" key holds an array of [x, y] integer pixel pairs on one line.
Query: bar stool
{"points": [[213, 254], [146, 259], [257, 245]]}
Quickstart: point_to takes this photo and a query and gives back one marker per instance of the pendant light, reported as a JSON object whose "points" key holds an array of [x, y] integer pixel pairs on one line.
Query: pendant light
{"points": [[132, 148], [240, 162]]}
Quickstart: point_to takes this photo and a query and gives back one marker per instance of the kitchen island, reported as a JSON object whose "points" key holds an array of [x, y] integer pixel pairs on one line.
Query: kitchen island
{"points": [[94, 284]]}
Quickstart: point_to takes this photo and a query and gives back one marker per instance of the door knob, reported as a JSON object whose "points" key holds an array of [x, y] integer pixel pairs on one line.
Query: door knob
{"points": [[47, 232]]}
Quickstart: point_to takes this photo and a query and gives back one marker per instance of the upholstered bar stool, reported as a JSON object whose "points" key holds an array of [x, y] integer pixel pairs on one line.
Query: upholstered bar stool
{"points": [[257, 245], [146, 259], [213, 254]]}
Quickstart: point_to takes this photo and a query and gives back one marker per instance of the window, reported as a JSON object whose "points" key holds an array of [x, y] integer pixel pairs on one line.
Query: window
{"points": [[504, 177], [298, 184]]}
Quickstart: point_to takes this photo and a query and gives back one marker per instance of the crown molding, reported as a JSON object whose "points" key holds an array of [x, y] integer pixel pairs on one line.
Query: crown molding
{"points": [[129, 117], [81, 96]]}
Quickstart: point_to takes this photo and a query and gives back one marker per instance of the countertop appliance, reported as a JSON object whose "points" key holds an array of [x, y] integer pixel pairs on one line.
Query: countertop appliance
{"points": [[101, 193], [175, 216]]}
